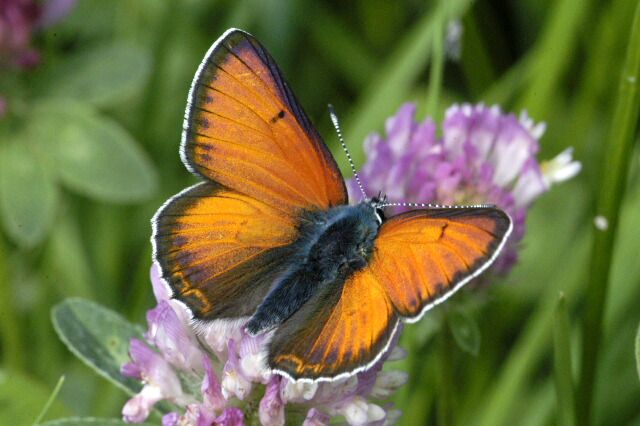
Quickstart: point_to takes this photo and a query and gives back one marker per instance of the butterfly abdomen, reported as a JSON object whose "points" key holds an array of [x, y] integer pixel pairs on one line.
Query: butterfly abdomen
{"points": [[333, 245]]}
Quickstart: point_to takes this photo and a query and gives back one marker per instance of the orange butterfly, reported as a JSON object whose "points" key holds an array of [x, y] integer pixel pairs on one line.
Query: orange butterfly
{"points": [[268, 237]]}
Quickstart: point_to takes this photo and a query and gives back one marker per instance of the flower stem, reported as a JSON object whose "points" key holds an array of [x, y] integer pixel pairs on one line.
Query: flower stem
{"points": [[437, 61], [620, 145], [445, 391], [562, 364], [52, 398]]}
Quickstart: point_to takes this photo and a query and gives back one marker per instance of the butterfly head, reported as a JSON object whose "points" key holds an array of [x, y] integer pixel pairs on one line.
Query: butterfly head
{"points": [[377, 204]]}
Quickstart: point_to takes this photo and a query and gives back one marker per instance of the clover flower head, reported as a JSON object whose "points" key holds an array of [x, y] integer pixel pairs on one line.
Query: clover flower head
{"points": [[19, 20], [484, 156], [218, 377]]}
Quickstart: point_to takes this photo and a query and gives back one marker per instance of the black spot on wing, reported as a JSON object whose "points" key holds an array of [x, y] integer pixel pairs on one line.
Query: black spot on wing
{"points": [[278, 116]]}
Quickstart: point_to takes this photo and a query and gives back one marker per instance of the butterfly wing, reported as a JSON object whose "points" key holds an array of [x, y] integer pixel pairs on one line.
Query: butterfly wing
{"points": [[420, 258], [219, 250], [343, 328], [423, 256], [245, 129], [222, 243]]}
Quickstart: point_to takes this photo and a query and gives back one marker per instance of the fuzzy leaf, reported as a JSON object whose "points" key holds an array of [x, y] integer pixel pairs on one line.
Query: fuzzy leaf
{"points": [[465, 331], [98, 336], [103, 76], [28, 194], [93, 154]]}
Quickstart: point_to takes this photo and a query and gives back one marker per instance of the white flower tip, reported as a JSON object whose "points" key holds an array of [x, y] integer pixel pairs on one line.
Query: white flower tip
{"points": [[254, 367], [137, 409], [392, 417], [235, 385], [359, 412], [601, 223], [297, 391], [535, 130], [388, 382], [397, 354], [453, 39], [560, 168]]}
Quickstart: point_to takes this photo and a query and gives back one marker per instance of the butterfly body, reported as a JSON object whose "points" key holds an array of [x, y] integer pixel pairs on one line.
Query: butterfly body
{"points": [[268, 239], [333, 244]]}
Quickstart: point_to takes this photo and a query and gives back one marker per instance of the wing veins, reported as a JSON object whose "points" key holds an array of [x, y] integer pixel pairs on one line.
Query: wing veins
{"points": [[245, 146], [210, 277], [291, 105], [267, 171]]}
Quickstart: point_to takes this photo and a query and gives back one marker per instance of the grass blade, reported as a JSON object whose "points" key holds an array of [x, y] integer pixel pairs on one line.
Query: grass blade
{"points": [[52, 398], [562, 364], [618, 155]]}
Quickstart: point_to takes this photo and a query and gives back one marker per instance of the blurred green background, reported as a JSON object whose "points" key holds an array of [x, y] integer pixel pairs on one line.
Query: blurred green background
{"points": [[89, 150]]}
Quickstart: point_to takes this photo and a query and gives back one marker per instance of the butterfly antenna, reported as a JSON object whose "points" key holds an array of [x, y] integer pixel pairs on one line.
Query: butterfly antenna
{"points": [[336, 124], [433, 206], [427, 205]]}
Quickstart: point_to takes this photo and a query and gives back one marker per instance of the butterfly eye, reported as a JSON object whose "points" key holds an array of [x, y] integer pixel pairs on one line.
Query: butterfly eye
{"points": [[380, 215]]}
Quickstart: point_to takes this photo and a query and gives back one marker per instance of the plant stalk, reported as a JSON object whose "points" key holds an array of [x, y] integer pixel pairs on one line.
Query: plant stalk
{"points": [[617, 159]]}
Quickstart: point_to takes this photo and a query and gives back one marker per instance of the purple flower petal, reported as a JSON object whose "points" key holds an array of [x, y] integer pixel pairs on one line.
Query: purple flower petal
{"points": [[171, 335], [137, 409], [132, 370], [54, 10], [161, 381], [316, 418], [233, 381], [484, 156], [170, 419], [211, 388], [251, 354], [160, 289], [230, 417], [271, 405]]}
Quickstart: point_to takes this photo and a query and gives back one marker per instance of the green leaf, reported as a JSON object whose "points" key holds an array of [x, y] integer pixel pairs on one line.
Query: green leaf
{"points": [[67, 260], [562, 364], [93, 154], [89, 421], [103, 75], [638, 351], [98, 336], [22, 398], [28, 195], [465, 330], [615, 171]]}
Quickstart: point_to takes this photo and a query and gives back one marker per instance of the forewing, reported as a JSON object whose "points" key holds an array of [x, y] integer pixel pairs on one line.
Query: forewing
{"points": [[421, 257], [244, 129], [220, 250], [342, 329]]}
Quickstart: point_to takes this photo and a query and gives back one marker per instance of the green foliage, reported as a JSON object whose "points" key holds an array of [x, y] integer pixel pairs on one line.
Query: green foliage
{"points": [[22, 398], [621, 141], [105, 75], [98, 336], [637, 345], [562, 364], [28, 194], [92, 154], [465, 330]]}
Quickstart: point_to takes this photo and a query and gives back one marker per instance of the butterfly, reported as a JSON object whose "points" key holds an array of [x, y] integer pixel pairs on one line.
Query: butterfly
{"points": [[268, 238]]}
